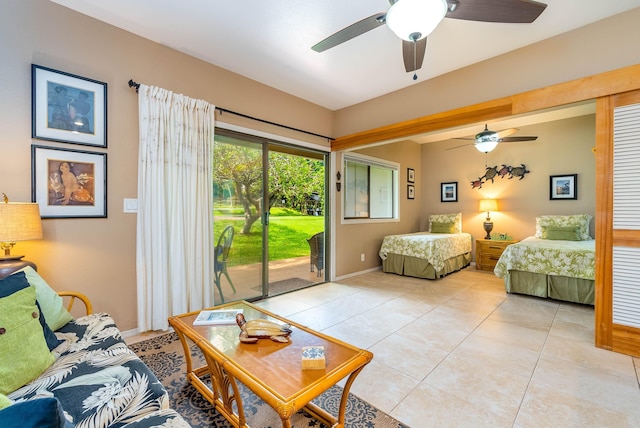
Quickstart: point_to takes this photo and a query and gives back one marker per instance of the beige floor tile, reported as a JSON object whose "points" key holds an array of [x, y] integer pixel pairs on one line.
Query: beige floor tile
{"points": [[433, 331], [497, 355], [545, 407], [532, 339], [412, 358], [584, 353], [356, 333], [382, 386], [427, 406], [600, 388], [481, 382]]}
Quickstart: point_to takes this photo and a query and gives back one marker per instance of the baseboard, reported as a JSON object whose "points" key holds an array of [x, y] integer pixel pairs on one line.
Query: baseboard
{"points": [[349, 275]]}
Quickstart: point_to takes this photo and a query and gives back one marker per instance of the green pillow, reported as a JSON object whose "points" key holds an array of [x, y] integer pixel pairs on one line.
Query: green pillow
{"points": [[564, 233], [443, 227], [55, 314], [4, 401], [23, 350]]}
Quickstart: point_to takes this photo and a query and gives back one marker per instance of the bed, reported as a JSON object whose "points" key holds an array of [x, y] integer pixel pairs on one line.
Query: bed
{"points": [[440, 251], [558, 262]]}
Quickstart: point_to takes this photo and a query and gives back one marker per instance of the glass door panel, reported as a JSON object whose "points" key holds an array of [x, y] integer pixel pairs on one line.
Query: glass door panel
{"points": [[238, 206], [296, 220]]}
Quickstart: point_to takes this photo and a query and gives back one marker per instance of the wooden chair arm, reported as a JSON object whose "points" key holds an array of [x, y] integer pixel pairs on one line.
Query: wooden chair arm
{"points": [[73, 295]]}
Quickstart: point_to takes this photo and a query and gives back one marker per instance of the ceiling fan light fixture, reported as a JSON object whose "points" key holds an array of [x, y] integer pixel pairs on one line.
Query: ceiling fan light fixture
{"points": [[486, 146], [413, 20]]}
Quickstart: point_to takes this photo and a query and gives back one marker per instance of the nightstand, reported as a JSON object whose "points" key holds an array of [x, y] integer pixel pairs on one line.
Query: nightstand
{"points": [[488, 252]]}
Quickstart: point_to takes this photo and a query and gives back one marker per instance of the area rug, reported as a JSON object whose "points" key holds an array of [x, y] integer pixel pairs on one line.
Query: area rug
{"points": [[286, 285], [164, 355]]}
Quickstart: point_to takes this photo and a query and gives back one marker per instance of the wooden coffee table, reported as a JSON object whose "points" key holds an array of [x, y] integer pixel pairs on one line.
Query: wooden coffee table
{"points": [[273, 371]]}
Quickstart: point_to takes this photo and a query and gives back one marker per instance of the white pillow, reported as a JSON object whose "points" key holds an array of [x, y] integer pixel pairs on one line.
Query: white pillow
{"points": [[579, 221], [455, 218]]}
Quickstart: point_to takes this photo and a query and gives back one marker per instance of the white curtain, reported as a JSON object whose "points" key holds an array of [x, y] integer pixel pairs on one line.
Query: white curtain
{"points": [[174, 256]]}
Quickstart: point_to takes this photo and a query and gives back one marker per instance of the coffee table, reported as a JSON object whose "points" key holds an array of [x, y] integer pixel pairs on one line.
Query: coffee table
{"points": [[272, 370]]}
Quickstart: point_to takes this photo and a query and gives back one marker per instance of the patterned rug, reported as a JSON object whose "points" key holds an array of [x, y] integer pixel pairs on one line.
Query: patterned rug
{"points": [[164, 355]]}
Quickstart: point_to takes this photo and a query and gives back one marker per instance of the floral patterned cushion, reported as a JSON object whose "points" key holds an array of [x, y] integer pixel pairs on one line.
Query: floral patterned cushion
{"points": [[455, 218], [98, 380], [579, 221]]}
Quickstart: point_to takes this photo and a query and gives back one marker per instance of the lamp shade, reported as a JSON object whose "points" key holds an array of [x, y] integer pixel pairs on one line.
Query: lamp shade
{"points": [[415, 19], [487, 205], [20, 221]]}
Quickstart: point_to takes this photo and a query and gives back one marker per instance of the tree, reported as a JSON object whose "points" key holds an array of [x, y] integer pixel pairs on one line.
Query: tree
{"points": [[292, 178]]}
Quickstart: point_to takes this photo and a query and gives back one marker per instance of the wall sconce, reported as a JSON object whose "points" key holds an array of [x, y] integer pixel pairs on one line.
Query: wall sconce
{"points": [[488, 205], [338, 184]]}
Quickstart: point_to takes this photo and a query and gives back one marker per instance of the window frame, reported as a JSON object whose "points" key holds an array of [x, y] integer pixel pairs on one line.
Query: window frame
{"points": [[370, 161]]}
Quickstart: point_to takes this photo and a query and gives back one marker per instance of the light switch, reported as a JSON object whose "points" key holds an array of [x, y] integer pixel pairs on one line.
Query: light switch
{"points": [[130, 205]]}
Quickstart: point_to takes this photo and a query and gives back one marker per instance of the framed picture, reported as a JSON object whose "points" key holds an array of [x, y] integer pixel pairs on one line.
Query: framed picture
{"points": [[68, 183], [411, 191], [411, 175], [449, 192], [563, 186], [68, 108]]}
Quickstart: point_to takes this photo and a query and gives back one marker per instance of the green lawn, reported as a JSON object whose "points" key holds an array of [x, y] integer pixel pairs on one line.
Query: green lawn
{"points": [[288, 234]]}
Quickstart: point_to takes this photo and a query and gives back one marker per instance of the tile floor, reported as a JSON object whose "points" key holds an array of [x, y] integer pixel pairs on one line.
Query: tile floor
{"points": [[460, 352]]}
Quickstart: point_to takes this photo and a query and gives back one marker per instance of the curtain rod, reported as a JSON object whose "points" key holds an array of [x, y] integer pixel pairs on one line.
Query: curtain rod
{"points": [[136, 85]]}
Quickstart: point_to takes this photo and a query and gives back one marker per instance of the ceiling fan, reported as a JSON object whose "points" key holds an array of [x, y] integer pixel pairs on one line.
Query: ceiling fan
{"points": [[488, 140], [414, 20]]}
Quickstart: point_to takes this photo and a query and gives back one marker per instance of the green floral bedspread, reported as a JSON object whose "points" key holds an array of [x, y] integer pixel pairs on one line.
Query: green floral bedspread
{"points": [[566, 258], [432, 247]]}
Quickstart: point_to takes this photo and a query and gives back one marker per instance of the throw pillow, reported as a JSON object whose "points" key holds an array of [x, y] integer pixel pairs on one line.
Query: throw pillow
{"points": [[443, 227], [24, 354], [52, 304], [39, 413], [5, 401], [566, 233], [456, 218], [579, 221]]}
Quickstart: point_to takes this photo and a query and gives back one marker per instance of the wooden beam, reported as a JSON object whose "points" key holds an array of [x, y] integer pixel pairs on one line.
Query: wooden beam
{"points": [[587, 88]]}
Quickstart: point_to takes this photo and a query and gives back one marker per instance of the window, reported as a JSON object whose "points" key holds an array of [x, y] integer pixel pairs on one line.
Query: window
{"points": [[370, 188]]}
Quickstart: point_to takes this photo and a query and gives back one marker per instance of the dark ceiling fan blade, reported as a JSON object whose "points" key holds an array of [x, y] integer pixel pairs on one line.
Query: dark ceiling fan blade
{"points": [[517, 139], [407, 54], [353, 30], [506, 11]]}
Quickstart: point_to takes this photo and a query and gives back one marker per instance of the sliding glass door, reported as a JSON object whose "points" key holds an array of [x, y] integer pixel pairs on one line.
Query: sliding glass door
{"points": [[271, 197]]}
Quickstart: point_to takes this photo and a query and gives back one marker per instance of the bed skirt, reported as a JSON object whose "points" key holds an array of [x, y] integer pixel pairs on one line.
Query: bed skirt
{"points": [[576, 290], [420, 268]]}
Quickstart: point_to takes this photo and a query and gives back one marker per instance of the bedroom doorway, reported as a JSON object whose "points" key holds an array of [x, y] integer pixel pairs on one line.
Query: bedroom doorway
{"points": [[272, 196]]}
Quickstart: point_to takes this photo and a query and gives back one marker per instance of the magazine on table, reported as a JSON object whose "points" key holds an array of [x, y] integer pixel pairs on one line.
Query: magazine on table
{"points": [[217, 316]]}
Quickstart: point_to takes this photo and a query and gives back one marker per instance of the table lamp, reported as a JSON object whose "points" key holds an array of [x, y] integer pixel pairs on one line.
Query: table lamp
{"points": [[488, 205], [19, 221]]}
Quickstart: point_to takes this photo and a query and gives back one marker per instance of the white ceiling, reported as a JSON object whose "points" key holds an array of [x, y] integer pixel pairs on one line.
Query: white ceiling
{"points": [[270, 41]]}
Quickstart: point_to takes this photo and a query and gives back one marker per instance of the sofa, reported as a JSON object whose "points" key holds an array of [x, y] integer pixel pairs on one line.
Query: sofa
{"points": [[60, 371]]}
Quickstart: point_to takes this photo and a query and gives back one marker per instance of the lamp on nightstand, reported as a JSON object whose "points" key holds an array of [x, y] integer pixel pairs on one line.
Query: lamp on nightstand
{"points": [[488, 205], [19, 221]]}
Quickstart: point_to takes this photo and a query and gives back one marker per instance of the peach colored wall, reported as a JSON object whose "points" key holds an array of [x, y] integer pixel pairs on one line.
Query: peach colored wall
{"points": [[97, 256], [562, 147], [351, 240]]}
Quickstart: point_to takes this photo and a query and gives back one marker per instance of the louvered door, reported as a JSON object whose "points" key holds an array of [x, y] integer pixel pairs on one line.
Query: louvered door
{"points": [[618, 240]]}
